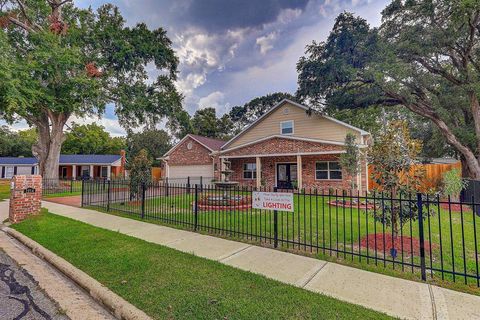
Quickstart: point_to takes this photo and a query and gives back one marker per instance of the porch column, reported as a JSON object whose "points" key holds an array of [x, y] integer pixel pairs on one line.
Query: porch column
{"points": [[91, 171], [258, 163], [74, 171], [109, 172], [299, 172]]}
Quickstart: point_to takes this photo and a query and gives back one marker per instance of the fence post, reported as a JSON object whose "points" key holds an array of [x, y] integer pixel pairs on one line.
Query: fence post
{"points": [[201, 183], [422, 236], [195, 207], [188, 185], [108, 196], [71, 185], [143, 200], [83, 193], [166, 186], [275, 225]]}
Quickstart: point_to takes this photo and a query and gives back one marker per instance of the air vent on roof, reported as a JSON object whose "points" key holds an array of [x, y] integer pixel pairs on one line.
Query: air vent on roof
{"points": [[286, 111]]}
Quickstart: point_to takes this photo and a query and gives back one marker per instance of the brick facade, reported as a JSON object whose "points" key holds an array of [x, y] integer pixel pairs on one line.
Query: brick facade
{"points": [[25, 197], [197, 155], [269, 163], [282, 145]]}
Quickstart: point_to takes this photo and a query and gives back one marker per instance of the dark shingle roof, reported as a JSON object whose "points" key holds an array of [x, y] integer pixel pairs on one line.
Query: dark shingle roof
{"points": [[89, 158], [18, 160], [214, 144], [66, 159]]}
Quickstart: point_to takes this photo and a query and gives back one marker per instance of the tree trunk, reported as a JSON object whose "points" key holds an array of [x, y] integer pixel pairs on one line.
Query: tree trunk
{"points": [[50, 139]]}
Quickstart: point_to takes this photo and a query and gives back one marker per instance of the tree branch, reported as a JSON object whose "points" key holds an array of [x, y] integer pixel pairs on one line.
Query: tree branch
{"points": [[21, 24]]}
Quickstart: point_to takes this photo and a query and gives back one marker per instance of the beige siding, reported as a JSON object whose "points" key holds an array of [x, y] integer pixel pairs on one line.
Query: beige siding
{"points": [[313, 127]]}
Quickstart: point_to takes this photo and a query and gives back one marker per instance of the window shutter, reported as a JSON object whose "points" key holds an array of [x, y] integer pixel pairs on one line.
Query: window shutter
{"points": [[14, 170], [3, 172]]}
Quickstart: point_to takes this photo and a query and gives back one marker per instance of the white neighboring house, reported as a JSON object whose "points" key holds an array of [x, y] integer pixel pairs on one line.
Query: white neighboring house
{"points": [[10, 166]]}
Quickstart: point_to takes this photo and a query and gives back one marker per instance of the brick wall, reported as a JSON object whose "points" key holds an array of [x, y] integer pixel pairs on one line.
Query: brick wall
{"points": [[198, 154], [22, 202], [283, 145]]}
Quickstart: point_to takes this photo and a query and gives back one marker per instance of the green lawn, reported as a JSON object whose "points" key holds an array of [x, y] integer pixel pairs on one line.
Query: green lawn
{"points": [[4, 190], [168, 284], [315, 223]]}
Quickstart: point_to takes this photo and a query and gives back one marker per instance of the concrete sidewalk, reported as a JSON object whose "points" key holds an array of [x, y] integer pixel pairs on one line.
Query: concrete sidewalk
{"points": [[394, 296]]}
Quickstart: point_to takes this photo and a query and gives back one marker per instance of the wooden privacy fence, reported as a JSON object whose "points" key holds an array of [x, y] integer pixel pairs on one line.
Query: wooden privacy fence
{"points": [[433, 174], [156, 173]]}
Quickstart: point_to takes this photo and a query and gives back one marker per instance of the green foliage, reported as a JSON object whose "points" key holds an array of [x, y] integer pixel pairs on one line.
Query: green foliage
{"points": [[393, 155], [425, 56], [206, 123], [453, 183], [155, 142], [350, 160], [15, 144], [59, 61], [91, 139], [139, 172]]}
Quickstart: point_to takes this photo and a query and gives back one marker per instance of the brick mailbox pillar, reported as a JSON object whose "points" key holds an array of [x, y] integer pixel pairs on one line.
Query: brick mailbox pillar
{"points": [[25, 197]]}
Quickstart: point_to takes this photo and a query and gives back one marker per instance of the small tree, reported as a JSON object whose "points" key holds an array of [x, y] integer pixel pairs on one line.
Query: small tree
{"points": [[453, 183], [140, 172], [393, 156], [350, 160]]}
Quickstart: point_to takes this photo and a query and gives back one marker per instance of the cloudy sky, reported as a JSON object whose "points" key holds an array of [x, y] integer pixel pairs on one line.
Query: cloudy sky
{"points": [[231, 51]]}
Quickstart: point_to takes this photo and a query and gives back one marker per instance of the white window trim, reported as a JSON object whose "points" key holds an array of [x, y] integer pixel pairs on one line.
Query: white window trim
{"points": [[328, 171], [293, 127], [252, 171]]}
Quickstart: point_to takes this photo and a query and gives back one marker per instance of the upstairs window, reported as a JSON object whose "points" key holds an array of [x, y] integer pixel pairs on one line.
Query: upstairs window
{"points": [[328, 170], [286, 127]]}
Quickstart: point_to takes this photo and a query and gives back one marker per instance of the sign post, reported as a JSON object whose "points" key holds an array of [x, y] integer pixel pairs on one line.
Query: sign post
{"points": [[276, 201]]}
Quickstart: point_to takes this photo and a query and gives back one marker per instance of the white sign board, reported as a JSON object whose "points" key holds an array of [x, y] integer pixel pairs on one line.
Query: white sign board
{"points": [[281, 201]]}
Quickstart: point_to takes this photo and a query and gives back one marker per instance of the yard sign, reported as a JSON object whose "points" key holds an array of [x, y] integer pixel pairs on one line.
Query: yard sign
{"points": [[280, 201]]}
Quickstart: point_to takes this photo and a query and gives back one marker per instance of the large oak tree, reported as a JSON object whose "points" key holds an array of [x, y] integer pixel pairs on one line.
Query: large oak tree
{"points": [[424, 56], [58, 61]]}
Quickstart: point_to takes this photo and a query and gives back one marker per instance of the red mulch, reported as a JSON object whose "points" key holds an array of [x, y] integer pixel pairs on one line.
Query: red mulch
{"points": [[415, 242], [74, 201], [455, 207]]}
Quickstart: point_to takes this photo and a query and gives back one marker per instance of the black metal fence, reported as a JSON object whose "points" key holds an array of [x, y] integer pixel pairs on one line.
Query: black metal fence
{"points": [[427, 235], [59, 187]]}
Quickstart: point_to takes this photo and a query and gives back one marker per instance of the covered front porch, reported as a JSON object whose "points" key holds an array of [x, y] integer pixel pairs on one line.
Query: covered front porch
{"points": [[319, 170], [88, 171]]}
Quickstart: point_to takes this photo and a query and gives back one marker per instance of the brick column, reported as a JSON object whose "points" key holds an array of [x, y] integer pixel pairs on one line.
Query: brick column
{"points": [[25, 197]]}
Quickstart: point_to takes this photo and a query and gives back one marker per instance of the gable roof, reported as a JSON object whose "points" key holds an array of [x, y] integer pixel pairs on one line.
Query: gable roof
{"points": [[65, 159], [209, 143], [212, 144], [281, 103]]}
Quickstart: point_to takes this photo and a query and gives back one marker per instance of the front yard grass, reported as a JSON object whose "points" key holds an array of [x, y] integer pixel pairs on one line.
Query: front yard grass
{"points": [[315, 223], [4, 189], [168, 284]]}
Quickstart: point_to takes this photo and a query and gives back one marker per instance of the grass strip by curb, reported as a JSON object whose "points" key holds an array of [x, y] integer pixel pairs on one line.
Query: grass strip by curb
{"points": [[168, 284], [118, 306]]}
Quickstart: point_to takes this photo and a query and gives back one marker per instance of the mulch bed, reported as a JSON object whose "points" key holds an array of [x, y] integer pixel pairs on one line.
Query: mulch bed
{"points": [[456, 207], [397, 243]]}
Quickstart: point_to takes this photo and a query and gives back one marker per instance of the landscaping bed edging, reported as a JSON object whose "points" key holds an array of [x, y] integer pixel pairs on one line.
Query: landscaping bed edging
{"points": [[120, 308]]}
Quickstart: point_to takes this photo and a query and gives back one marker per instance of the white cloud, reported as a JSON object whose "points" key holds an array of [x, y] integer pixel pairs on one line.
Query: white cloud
{"points": [[214, 100], [265, 43]]}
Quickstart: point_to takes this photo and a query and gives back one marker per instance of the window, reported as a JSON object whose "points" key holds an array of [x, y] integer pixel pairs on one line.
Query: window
{"points": [[286, 127], [249, 171], [328, 170], [104, 172]]}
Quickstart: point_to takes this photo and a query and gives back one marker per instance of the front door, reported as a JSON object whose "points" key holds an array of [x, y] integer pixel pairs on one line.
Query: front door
{"points": [[286, 175], [64, 172]]}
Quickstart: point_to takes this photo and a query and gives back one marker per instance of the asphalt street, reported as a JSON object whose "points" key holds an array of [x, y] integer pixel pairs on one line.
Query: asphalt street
{"points": [[20, 296]]}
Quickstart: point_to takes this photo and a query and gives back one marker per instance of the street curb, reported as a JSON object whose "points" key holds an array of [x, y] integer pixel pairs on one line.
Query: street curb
{"points": [[120, 308]]}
